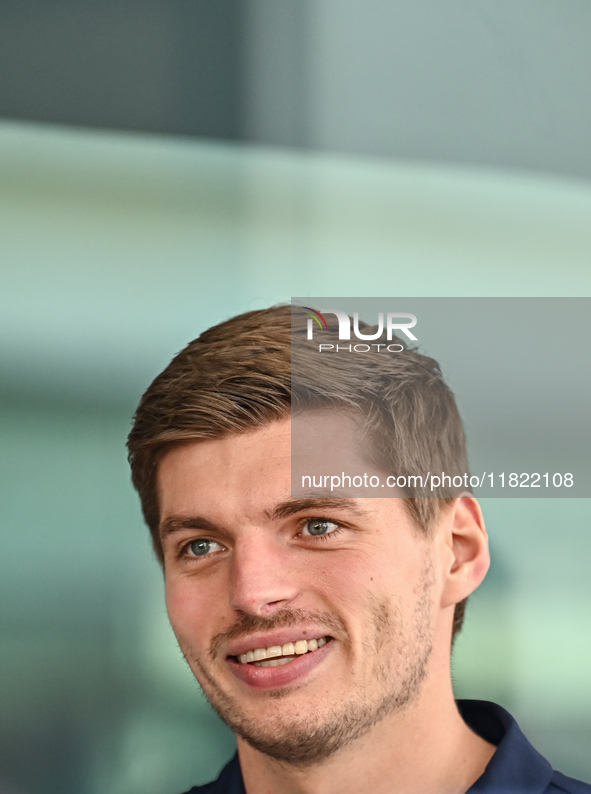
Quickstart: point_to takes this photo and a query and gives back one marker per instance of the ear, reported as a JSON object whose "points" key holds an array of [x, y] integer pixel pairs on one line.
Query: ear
{"points": [[467, 558]]}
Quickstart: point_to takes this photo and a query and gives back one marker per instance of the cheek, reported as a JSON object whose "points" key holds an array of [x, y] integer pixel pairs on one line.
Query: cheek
{"points": [[190, 609], [346, 578], [177, 606], [390, 572]]}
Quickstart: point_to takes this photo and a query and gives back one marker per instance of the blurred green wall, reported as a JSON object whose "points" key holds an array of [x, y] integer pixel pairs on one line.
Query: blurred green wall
{"points": [[115, 250]]}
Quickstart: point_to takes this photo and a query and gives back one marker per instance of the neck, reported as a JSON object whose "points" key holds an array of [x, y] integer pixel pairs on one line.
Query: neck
{"points": [[425, 749]]}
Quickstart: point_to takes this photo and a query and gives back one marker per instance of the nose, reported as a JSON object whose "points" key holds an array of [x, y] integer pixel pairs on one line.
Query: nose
{"points": [[264, 576]]}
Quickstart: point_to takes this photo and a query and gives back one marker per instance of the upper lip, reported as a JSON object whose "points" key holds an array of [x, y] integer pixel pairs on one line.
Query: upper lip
{"points": [[279, 637]]}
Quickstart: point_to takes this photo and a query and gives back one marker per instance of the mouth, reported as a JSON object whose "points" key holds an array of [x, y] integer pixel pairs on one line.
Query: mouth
{"points": [[278, 655], [279, 666]]}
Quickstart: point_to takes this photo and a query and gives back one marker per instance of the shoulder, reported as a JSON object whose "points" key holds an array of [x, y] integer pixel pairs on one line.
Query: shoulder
{"points": [[516, 766], [208, 788], [229, 781], [562, 783]]}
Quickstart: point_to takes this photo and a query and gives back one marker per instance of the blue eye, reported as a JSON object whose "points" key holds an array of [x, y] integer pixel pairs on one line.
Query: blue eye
{"points": [[202, 547], [319, 526]]}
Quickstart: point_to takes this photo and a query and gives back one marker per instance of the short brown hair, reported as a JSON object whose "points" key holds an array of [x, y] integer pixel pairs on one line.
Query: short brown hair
{"points": [[239, 375]]}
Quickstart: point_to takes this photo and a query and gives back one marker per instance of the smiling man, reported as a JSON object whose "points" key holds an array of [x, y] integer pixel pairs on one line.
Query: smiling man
{"points": [[320, 624]]}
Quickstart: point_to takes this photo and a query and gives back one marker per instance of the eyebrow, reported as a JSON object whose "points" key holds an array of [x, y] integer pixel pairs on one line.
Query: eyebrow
{"points": [[283, 510], [293, 506], [178, 523]]}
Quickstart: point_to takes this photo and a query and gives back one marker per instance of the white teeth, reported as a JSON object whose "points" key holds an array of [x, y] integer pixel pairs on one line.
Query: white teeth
{"points": [[280, 654], [274, 662]]}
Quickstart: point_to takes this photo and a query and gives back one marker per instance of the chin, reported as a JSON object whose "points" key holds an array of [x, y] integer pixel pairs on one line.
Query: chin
{"points": [[303, 736]]}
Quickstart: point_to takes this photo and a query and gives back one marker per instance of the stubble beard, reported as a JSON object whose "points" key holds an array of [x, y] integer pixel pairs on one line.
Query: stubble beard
{"points": [[307, 737]]}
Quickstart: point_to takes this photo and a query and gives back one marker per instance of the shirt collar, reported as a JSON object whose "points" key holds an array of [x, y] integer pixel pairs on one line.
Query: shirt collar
{"points": [[516, 766]]}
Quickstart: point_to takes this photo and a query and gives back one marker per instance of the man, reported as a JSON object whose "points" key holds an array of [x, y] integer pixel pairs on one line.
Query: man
{"points": [[319, 623]]}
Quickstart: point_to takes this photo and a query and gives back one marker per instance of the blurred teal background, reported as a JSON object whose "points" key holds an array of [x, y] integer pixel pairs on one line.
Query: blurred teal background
{"points": [[116, 250], [351, 148]]}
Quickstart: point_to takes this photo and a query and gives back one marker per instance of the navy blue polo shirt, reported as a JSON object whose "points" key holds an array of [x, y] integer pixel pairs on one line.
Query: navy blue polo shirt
{"points": [[515, 768]]}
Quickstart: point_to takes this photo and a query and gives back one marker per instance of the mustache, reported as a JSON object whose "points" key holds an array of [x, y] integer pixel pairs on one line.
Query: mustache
{"points": [[282, 619]]}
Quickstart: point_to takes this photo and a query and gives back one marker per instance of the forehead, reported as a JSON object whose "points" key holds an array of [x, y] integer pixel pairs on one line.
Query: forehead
{"points": [[330, 438], [230, 460], [213, 475], [245, 476]]}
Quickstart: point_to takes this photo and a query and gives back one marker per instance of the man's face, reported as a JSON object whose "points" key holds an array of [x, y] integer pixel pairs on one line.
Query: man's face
{"points": [[306, 621]]}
